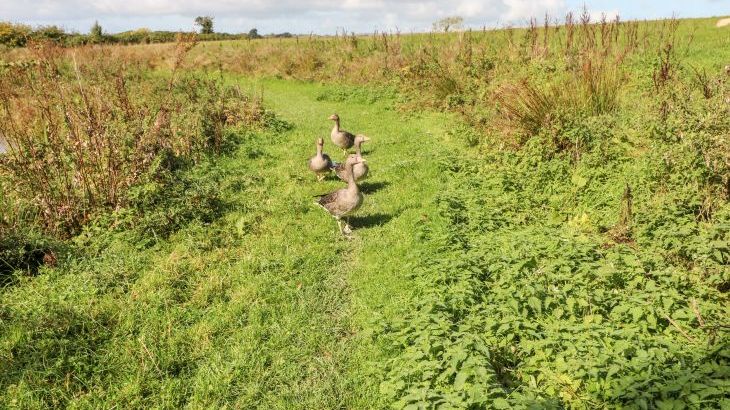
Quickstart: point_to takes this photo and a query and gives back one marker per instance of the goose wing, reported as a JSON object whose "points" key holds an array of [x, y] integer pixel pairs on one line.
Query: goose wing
{"points": [[328, 201], [340, 170]]}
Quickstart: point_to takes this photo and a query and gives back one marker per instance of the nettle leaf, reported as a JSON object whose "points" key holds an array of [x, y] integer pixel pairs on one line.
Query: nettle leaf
{"points": [[460, 379], [637, 313], [535, 304]]}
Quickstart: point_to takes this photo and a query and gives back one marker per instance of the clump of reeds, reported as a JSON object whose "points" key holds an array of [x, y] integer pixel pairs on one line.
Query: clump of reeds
{"points": [[589, 90]]}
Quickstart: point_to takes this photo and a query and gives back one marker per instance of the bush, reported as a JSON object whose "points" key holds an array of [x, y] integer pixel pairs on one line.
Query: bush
{"points": [[115, 122], [24, 251], [23, 247], [171, 196], [14, 35]]}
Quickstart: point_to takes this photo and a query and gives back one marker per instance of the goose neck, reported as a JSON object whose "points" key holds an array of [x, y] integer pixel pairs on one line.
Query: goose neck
{"points": [[351, 185]]}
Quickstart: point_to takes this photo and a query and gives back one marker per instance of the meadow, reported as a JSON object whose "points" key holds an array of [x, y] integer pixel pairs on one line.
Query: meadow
{"points": [[546, 222]]}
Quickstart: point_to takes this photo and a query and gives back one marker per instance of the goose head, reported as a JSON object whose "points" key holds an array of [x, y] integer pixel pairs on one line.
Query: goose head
{"points": [[334, 117], [359, 139], [352, 159], [320, 142]]}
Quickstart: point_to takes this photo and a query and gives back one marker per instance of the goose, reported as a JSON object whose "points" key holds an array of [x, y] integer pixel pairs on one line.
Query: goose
{"points": [[321, 163], [359, 170], [341, 138], [345, 201]]}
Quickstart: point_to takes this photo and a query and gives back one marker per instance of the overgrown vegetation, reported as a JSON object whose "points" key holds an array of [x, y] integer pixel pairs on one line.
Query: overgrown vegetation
{"points": [[84, 129], [93, 139], [558, 236], [552, 288]]}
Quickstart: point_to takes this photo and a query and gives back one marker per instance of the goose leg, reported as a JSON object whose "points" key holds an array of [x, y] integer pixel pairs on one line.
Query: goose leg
{"points": [[339, 225], [320, 177], [348, 228]]}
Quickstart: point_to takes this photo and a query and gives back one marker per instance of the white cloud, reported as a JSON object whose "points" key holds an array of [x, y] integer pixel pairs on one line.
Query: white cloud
{"points": [[303, 16], [597, 15], [525, 9]]}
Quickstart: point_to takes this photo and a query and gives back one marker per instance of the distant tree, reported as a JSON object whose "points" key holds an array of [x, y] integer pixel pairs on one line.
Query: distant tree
{"points": [[205, 23], [49, 33], [14, 35], [253, 33], [96, 31], [449, 23]]}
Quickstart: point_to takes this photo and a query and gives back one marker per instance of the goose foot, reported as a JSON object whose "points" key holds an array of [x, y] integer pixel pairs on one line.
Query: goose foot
{"points": [[345, 228], [320, 177]]}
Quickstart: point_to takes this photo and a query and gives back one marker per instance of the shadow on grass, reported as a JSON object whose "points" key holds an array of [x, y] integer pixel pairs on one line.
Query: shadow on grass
{"points": [[367, 221], [373, 187]]}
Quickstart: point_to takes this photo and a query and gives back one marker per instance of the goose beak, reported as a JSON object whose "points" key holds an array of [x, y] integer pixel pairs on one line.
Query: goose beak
{"points": [[333, 117], [365, 139]]}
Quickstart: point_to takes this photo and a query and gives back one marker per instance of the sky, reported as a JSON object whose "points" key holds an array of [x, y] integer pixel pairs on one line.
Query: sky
{"points": [[328, 16]]}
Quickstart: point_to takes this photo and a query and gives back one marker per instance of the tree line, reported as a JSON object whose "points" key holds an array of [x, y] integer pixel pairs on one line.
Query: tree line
{"points": [[18, 35]]}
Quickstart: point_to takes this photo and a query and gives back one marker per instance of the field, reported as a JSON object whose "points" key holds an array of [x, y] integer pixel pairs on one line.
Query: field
{"points": [[546, 223]]}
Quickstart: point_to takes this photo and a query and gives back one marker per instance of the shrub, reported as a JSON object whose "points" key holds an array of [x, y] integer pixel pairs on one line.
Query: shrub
{"points": [[22, 246], [84, 129], [14, 35]]}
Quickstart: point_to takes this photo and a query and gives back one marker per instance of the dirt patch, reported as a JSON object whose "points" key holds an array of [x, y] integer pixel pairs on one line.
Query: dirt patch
{"points": [[723, 22]]}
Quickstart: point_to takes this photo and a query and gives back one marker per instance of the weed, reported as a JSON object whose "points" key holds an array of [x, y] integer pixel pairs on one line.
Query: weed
{"points": [[83, 130]]}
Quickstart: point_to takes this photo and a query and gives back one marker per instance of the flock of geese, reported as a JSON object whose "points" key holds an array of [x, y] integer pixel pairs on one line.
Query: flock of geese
{"points": [[343, 202]]}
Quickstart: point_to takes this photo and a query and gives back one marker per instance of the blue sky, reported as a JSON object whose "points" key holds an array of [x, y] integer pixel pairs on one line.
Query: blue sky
{"points": [[326, 16]]}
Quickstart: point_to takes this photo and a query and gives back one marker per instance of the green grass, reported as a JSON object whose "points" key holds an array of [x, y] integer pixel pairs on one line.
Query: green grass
{"points": [[264, 307]]}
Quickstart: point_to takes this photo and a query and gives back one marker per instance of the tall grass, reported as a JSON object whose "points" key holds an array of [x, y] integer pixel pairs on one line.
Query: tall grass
{"points": [[466, 72], [526, 108], [83, 127]]}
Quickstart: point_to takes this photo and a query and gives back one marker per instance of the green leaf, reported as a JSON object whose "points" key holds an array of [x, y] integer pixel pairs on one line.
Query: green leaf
{"points": [[460, 379], [578, 180], [534, 303]]}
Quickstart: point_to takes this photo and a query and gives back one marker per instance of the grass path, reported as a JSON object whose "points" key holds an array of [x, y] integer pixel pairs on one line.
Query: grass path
{"points": [[368, 278], [267, 307]]}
